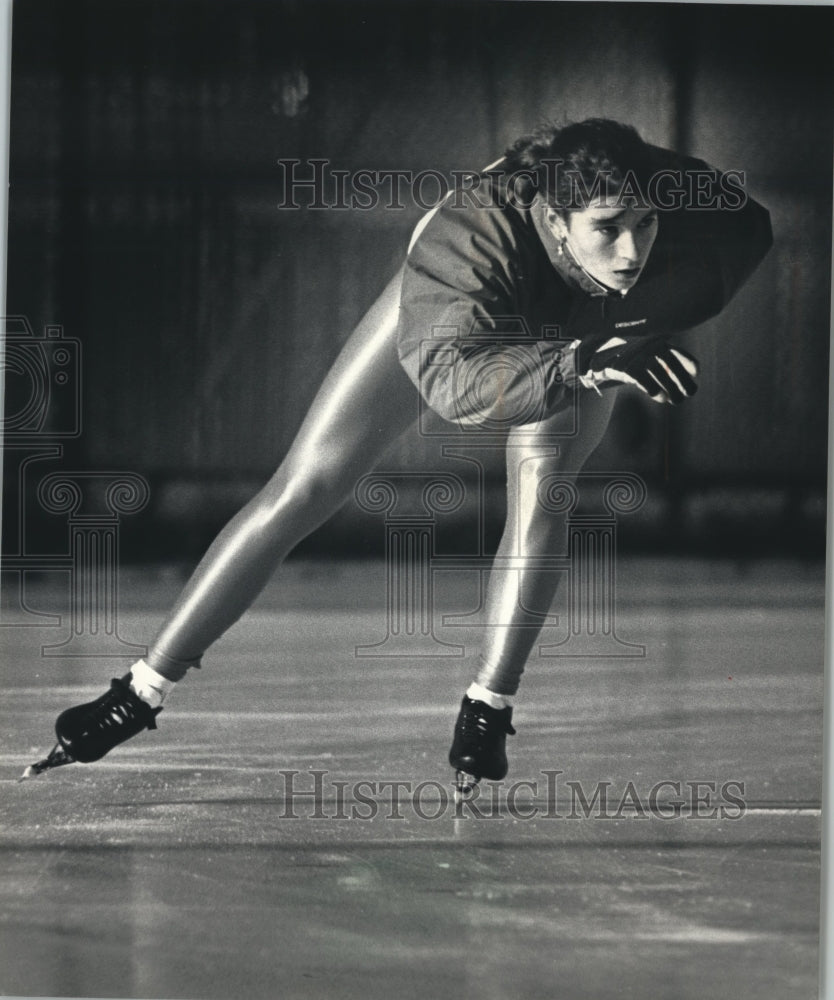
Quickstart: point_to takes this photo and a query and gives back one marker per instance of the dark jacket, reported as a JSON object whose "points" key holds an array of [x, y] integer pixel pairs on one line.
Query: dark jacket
{"points": [[489, 311]]}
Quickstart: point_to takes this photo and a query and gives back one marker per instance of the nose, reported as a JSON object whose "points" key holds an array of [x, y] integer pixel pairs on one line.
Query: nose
{"points": [[627, 247]]}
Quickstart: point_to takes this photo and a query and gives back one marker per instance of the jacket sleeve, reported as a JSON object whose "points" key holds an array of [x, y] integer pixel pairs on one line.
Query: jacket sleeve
{"points": [[701, 259], [462, 338]]}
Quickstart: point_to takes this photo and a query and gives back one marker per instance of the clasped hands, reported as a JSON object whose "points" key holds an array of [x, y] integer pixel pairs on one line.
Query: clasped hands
{"points": [[665, 373]]}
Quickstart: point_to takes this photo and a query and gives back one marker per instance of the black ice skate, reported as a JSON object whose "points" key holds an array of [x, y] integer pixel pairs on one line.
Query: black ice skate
{"points": [[87, 732], [478, 749]]}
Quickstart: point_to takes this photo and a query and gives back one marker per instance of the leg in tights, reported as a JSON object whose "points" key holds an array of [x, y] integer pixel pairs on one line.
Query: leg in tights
{"points": [[358, 412], [532, 531], [363, 405]]}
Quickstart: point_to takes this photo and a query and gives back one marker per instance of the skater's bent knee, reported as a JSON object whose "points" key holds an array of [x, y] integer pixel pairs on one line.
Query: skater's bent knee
{"points": [[305, 493]]}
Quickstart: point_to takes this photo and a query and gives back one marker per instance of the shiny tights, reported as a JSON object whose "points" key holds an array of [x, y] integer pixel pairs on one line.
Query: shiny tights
{"points": [[365, 403]]}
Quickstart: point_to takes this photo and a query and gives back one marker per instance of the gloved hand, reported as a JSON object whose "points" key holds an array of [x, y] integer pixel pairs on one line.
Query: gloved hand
{"points": [[666, 373]]}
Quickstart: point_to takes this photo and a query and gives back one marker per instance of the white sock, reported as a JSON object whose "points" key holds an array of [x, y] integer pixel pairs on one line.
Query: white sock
{"points": [[477, 692], [150, 686]]}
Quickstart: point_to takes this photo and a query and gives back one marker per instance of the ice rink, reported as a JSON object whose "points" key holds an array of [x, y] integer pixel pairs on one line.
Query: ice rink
{"points": [[190, 863]]}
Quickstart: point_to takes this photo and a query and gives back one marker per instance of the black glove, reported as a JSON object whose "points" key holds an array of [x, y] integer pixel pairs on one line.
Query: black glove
{"points": [[665, 372]]}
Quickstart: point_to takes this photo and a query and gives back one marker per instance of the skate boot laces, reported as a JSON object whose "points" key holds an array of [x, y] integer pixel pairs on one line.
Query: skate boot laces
{"points": [[481, 726], [118, 707], [89, 731], [478, 749]]}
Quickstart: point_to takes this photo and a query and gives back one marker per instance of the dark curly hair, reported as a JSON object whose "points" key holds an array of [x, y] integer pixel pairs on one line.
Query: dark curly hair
{"points": [[567, 163]]}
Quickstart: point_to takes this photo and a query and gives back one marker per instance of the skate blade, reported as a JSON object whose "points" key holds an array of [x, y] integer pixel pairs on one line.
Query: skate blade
{"points": [[464, 785], [56, 758]]}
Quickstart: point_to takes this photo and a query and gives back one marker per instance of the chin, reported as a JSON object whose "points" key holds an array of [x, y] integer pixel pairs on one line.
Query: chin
{"points": [[619, 283], [623, 281]]}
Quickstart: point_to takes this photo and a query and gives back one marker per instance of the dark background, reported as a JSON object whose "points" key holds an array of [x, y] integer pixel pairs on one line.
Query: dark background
{"points": [[144, 221]]}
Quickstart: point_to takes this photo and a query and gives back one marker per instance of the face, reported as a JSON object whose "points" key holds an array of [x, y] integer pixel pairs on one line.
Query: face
{"points": [[611, 243]]}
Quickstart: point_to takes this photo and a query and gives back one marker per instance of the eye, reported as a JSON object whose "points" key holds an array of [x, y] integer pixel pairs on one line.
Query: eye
{"points": [[609, 230], [650, 220]]}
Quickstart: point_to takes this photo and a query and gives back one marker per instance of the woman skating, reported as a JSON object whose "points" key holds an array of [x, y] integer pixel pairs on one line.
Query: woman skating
{"points": [[584, 229]]}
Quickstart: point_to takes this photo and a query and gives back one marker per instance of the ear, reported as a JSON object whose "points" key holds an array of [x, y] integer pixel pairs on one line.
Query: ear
{"points": [[555, 222]]}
